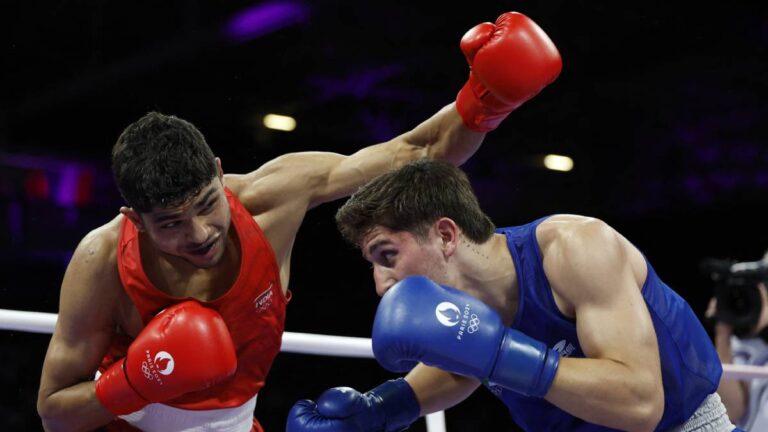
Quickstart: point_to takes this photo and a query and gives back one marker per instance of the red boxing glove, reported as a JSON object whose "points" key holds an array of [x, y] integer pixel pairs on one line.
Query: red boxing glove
{"points": [[510, 62], [185, 348]]}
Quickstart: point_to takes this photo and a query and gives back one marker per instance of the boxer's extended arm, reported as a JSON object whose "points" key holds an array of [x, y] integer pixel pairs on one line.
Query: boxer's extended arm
{"points": [[282, 190], [598, 273], [511, 62], [316, 177], [86, 323]]}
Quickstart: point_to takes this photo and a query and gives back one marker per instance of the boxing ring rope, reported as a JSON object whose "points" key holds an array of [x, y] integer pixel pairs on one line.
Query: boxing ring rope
{"points": [[297, 343], [313, 344]]}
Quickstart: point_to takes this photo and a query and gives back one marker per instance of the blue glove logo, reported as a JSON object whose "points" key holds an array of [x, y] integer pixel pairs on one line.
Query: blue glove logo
{"points": [[448, 314]]}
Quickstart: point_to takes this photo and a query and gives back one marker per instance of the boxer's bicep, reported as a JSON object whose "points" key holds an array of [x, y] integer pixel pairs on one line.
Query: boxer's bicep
{"points": [[307, 179], [312, 178], [279, 194], [86, 320], [620, 330], [591, 268]]}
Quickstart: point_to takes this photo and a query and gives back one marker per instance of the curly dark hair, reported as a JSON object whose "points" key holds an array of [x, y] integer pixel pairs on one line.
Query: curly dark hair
{"points": [[160, 161]]}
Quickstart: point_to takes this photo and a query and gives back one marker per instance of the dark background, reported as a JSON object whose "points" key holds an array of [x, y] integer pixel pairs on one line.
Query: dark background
{"points": [[662, 106]]}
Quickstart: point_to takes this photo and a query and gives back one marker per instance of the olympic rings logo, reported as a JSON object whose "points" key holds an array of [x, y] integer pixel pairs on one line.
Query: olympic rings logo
{"points": [[474, 324], [146, 371]]}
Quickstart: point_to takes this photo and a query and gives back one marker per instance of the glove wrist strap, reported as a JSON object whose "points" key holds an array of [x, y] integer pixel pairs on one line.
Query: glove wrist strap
{"points": [[480, 110], [525, 365], [115, 393], [399, 403]]}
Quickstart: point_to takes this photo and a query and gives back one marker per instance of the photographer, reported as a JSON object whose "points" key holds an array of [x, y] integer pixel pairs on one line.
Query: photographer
{"points": [[740, 314]]}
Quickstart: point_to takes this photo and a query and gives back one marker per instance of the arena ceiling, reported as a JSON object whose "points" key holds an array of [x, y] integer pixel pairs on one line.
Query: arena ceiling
{"points": [[660, 104]]}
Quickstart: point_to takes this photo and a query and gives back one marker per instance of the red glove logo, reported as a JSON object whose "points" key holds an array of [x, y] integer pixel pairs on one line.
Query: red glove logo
{"points": [[149, 373], [164, 362], [161, 364]]}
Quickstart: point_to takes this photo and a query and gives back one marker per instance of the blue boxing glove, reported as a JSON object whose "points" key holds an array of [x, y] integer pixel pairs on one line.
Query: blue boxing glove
{"points": [[420, 321], [390, 407]]}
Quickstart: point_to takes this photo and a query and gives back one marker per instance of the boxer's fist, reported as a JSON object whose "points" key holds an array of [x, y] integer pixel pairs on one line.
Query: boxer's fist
{"points": [[390, 407], [185, 348], [420, 321], [510, 62]]}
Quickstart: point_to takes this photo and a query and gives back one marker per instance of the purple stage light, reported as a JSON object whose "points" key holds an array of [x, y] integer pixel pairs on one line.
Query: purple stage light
{"points": [[75, 186], [67, 190], [264, 18]]}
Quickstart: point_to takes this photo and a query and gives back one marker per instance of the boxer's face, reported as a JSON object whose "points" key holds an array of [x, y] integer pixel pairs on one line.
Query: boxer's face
{"points": [[195, 231], [398, 254]]}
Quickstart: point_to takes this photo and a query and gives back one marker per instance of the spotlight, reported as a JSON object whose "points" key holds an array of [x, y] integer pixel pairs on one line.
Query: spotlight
{"points": [[279, 122], [558, 162]]}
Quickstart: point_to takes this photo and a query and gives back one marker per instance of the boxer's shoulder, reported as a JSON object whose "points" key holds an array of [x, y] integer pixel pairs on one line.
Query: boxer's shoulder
{"points": [[251, 190], [91, 288], [100, 244], [560, 229], [93, 267]]}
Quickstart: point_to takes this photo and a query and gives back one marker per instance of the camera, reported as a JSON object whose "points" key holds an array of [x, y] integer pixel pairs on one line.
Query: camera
{"points": [[738, 299]]}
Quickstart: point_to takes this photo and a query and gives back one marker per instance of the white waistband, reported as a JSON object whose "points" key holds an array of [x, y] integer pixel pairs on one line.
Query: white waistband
{"points": [[709, 417], [163, 418]]}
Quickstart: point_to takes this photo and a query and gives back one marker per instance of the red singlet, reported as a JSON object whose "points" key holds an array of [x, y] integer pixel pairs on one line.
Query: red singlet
{"points": [[253, 308]]}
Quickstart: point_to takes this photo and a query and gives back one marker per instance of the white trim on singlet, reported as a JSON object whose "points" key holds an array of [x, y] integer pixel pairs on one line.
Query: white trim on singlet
{"points": [[161, 418]]}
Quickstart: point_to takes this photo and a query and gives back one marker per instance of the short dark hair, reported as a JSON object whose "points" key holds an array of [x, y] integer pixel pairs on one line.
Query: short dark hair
{"points": [[160, 161], [411, 198]]}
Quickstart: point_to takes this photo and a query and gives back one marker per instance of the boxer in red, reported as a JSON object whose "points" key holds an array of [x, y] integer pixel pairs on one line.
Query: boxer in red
{"points": [[179, 301]]}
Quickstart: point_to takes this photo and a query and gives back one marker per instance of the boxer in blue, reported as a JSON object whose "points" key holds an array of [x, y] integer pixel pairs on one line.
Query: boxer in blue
{"points": [[563, 319]]}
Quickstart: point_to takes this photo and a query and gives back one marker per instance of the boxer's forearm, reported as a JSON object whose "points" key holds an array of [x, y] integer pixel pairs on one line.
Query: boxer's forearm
{"points": [[455, 143], [442, 136], [438, 390], [607, 393], [73, 409]]}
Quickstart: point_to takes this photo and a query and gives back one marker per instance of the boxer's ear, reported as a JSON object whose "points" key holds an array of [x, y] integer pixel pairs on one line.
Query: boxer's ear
{"points": [[449, 234], [134, 216], [219, 170]]}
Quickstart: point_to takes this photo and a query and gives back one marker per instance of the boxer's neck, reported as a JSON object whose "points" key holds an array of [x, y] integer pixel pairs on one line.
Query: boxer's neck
{"points": [[487, 272]]}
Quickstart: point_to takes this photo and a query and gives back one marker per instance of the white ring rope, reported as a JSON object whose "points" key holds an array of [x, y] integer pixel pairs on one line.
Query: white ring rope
{"points": [[299, 343], [306, 343], [302, 343]]}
